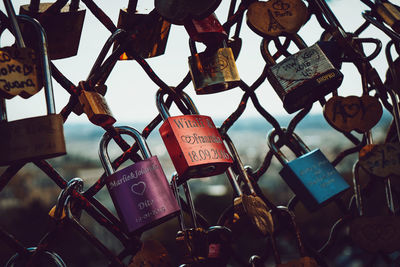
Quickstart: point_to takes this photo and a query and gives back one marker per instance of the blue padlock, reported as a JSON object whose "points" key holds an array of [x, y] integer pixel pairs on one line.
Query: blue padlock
{"points": [[311, 176]]}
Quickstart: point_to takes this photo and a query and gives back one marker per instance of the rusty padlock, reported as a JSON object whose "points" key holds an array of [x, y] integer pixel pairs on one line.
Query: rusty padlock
{"points": [[207, 30], [375, 232], [213, 70], [304, 77], [38, 137], [95, 106], [192, 141], [63, 26], [310, 176], [140, 192], [149, 31]]}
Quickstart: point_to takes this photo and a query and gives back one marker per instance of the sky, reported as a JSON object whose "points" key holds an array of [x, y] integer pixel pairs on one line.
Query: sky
{"points": [[131, 94]]}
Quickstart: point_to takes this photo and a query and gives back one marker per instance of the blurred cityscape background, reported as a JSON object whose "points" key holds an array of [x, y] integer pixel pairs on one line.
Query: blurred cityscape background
{"points": [[25, 202]]}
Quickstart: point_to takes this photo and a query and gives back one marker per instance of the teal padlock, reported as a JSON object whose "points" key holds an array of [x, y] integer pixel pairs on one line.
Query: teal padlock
{"points": [[311, 176]]}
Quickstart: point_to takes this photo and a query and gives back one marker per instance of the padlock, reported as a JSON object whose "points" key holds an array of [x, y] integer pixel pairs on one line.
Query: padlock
{"points": [[310, 176], [353, 113], [213, 71], [276, 17], [248, 206], [304, 77], [42, 258], [140, 192], [151, 253], [57, 212], [208, 30], [149, 30], [389, 13], [63, 26], [38, 137], [381, 160], [95, 106], [192, 141], [375, 232], [19, 66], [179, 11], [192, 242], [304, 260], [219, 241]]}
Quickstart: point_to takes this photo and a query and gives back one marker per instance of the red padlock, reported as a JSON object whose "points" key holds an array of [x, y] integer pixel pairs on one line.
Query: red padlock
{"points": [[192, 141], [207, 30]]}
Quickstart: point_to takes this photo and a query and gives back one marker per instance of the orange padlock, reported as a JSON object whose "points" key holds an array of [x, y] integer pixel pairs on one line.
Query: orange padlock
{"points": [[193, 142]]}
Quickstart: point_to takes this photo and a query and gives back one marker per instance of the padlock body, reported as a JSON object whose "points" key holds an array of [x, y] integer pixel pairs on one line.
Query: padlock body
{"points": [[313, 179], [32, 139], [151, 34], [304, 77], [207, 30], [141, 195], [63, 29], [213, 72], [96, 108], [195, 146], [377, 233]]}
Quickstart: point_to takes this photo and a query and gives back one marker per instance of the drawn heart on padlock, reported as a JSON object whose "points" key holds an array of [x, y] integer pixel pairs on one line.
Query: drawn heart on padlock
{"points": [[381, 160], [177, 11], [353, 113], [272, 18], [19, 72], [380, 233], [298, 67], [138, 188]]}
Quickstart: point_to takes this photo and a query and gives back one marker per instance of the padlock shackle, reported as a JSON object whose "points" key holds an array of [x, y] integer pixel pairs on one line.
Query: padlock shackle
{"points": [[239, 164], [103, 53], [14, 23], [175, 189], [294, 138], [395, 82], [73, 184], [103, 151], [3, 110], [234, 183], [189, 200], [54, 257], [46, 69], [162, 107]]}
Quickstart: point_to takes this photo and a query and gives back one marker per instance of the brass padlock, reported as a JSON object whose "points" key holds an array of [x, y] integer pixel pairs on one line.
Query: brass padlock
{"points": [[149, 31], [95, 106], [213, 71], [304, 77], [38, 137], [63, 26]]}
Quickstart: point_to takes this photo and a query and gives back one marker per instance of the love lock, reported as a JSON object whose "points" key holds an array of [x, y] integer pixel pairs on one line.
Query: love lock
{"points": [[276, 17], [39, 137], [379, 233], [63, 26], [353, 113], [152, 253], [140, 192]]}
